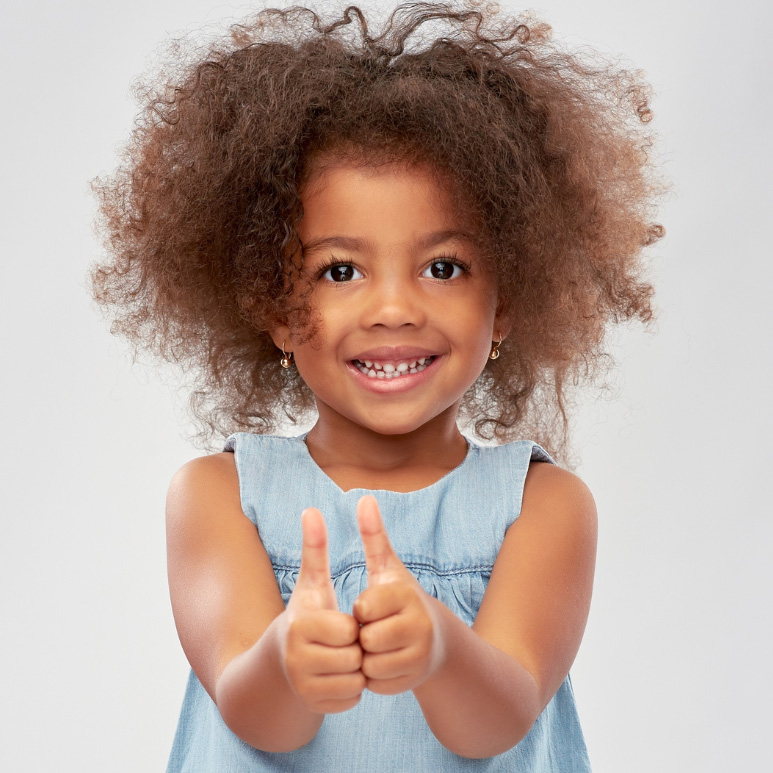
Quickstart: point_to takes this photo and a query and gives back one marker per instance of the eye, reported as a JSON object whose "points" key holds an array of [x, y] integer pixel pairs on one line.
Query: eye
{"points": [[341, 272], [444, 269]]}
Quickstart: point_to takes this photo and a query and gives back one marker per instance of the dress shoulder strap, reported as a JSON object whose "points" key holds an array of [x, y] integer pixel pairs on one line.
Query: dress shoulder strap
{"points": [[502, 471]]}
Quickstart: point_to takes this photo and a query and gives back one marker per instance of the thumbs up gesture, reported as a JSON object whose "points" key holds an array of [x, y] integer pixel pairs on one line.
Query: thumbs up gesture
{"points": [[320, 652], [399, 636]]}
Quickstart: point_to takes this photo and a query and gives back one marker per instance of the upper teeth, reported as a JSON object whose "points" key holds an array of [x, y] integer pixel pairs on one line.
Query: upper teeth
{"points": [[392, 369]]}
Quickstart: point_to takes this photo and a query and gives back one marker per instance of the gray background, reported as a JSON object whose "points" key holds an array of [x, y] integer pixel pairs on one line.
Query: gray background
{"points": [[674, 673]]}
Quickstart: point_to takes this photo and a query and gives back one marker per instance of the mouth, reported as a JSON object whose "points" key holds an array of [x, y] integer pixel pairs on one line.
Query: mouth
{"points": [[393, 369]]}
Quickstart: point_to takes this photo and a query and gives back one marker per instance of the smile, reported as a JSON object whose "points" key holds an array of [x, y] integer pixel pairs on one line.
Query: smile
{"points": [[392, 368]]}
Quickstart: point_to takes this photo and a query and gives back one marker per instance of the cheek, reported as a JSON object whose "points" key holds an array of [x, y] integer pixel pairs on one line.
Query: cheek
{"points": [[481, 317], [308, 324], [317, 340], [331, 320]]}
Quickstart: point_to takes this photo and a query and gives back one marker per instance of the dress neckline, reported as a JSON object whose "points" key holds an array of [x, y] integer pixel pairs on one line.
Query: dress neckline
{"points": [[471, 447]]}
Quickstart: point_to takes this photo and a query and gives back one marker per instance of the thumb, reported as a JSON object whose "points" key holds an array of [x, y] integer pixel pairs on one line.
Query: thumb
{"points": [[314, 575], [380, 558]]}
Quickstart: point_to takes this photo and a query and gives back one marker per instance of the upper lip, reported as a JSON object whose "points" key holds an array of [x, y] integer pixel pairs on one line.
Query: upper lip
{"points": [[394, 353]]}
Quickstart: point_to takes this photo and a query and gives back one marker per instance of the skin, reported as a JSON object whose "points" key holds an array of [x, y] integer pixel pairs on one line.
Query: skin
{"points": [[393, 302], [274, 672]]}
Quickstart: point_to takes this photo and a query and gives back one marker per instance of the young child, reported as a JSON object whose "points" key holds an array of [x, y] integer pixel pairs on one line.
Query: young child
{"points": [[402, 230]]}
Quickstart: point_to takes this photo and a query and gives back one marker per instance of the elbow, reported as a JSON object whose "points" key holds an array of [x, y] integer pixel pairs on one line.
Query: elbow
{"points": [[496, 739], [484, 748], [255, 733], [233, 712], [509, 721]]}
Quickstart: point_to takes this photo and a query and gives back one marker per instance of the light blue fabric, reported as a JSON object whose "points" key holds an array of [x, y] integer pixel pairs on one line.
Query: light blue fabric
{"points": [[448, 535]]}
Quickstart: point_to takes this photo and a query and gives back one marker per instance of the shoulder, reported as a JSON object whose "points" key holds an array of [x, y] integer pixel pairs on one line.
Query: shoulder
{"points": [[548, 483], [557, 503], [202, 486], [203, 472]]}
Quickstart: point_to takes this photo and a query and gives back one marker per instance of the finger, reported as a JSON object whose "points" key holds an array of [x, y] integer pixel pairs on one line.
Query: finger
{"points": [[338, 706], [391, 686], [315, 564], [380, 601], [334, 660], [308, 660], [394, 633], [328, 627], [388, 665], [334, 693], [380, 557]]}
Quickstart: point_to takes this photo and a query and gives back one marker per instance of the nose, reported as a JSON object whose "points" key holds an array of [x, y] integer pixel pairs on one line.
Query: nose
{"points": [[393, 301]]}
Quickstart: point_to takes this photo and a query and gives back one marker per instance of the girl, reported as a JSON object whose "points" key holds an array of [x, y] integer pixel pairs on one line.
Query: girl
{"points": [[405, 231]]}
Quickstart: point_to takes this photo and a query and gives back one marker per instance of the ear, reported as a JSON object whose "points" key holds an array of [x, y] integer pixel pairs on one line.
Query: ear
{"points": [[280, 335], [502, 322]]}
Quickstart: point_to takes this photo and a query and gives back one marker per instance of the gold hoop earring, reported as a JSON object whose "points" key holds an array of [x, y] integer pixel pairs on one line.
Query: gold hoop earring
{"points": [[494, 353], [287, 358]]}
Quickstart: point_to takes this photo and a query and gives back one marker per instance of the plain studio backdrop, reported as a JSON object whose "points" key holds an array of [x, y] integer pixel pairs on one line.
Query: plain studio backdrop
{"points": [[675, 670]]}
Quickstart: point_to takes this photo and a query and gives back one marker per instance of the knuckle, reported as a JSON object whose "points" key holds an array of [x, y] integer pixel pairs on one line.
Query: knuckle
{"points": [[388, 686], [373, 667], [367, 638], [353, 657], [362, 606], [353, 684], [374, 639], [367, 667], [351, 629]]}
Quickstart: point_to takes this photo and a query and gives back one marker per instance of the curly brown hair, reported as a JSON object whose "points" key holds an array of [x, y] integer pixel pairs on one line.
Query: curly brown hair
{"points": [[549, 148]]}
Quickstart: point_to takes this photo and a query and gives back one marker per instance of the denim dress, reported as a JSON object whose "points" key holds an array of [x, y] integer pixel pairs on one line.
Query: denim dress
{"points": [[448, 535]]}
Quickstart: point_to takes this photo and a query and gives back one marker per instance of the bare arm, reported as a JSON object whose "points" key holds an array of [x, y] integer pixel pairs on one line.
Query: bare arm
{"points": [[482, 688], [272, 672], [497, 678]]}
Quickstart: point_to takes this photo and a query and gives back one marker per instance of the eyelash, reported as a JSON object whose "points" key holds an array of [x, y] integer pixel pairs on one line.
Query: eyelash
{"points": [[332, 262], [455, 260]]}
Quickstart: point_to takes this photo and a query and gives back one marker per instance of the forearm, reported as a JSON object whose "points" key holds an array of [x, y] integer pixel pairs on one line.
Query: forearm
{"points": [[480, 701], [257, 702]]}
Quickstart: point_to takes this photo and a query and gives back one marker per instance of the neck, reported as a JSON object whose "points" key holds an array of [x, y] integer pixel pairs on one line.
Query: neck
{"points": [[357, 457]]}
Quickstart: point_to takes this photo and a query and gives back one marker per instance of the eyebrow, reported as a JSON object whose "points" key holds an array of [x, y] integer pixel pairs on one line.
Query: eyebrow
{"points": [[354, 244]]}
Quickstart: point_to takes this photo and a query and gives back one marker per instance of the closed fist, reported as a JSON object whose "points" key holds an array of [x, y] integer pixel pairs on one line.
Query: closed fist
{"points": [[321, 654], [398, 636]]}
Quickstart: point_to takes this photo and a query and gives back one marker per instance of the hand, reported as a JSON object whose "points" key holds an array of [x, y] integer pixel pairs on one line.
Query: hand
{"points": [[320, 651], [400, 631]]}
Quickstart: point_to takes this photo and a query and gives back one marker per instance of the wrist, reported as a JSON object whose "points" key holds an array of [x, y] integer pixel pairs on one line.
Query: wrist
{"points": [[256, 700], [438, 613]]}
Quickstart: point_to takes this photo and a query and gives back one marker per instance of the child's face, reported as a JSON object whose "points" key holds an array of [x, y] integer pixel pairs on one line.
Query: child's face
{"points": [[393, 281]]}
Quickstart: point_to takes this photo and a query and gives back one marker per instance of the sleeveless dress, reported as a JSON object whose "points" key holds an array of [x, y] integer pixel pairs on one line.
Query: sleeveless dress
{"points": [[448, 535]]}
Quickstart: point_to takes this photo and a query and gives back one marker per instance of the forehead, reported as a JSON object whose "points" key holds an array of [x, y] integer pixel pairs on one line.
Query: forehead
{"points": [[328, 174], [387, 202]]}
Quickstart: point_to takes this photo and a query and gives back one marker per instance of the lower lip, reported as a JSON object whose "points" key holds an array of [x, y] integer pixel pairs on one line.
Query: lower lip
{"points": [[393, 385]]}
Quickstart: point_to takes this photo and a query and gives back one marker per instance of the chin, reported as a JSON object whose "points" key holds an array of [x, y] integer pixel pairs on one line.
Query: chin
{"points": [[397, 427], [393, 429]]}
